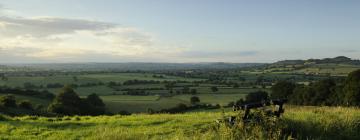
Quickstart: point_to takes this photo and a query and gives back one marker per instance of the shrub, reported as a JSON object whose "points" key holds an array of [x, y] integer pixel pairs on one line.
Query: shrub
{"points": [[67, 102], [352, 89], [8, 101], [25, 105], [256, 96], [282, 89], [194, 100]]}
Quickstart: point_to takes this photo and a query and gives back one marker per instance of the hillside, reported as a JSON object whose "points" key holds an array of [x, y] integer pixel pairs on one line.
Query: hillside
{"points": [[300, 122], [338, 66]]}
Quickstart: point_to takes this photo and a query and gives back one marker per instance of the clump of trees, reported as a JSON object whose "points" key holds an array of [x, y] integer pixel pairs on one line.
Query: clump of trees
{"points": [[67, 102], [252, 97], [324, 92], [9, 101], [27, 92]]}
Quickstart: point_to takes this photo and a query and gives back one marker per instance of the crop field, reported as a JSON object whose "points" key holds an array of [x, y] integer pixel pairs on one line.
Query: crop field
{"points": [[333, 69], [221, 99], [136, 104], [297, 122]]}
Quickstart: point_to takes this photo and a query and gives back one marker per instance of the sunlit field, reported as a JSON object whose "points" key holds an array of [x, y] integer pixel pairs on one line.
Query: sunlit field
{"points": [[297, 122]]}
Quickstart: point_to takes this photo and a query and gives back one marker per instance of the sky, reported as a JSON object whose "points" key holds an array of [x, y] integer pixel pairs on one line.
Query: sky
{"points": [[51, 31]]}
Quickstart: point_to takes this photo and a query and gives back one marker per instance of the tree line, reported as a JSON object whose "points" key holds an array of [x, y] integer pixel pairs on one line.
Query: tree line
{"points": [[329, 92]]}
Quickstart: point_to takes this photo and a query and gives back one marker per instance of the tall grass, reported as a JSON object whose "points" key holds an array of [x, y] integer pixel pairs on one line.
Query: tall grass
{"points": [[297, 122]]}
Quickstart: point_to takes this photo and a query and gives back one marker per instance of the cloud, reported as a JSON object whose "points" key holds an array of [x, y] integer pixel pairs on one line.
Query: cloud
{"points": [[62, 39], [46, 26]]}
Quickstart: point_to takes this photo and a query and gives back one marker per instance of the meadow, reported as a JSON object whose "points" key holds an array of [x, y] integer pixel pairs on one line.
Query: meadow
{"points": [[297, 122], [114, 97]]}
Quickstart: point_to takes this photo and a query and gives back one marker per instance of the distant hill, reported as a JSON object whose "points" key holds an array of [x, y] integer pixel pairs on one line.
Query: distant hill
{"points": [[336, 60], [340, 65], [127, 66]]}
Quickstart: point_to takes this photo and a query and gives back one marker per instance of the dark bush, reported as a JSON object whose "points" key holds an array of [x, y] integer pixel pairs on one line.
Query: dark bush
{"points": [[8, 101], [25, 105]]}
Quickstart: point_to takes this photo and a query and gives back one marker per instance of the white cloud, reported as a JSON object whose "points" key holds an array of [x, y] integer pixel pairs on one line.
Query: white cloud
{"points": [[61, 39]]}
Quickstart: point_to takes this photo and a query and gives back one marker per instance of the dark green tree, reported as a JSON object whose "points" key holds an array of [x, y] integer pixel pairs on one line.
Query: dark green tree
{"points": [[214, 89], [256, 96], [352, 89], [323, 90], [67, 102], [95, 100], [26, 105], [282, 89], [194, 100], [94, 105], [8, 101]]}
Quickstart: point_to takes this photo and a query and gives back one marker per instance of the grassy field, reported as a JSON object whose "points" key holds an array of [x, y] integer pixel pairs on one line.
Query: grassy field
{"points": [[136, 104], [297, 122], [332, 69]]}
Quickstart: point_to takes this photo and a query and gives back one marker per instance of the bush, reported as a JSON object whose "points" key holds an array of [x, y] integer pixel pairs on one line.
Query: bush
{"points": [[67, 102], [282, 89], [352, 89], [257, 96], [194, 100], [8, 101], [25, 105]]}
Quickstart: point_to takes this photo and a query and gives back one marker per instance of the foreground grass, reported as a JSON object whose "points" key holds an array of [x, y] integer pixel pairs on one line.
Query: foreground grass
{"points": [[298, 122]]}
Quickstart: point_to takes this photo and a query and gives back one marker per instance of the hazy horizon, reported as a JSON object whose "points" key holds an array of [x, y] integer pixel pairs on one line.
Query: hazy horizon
{"points": [[261, 31]]}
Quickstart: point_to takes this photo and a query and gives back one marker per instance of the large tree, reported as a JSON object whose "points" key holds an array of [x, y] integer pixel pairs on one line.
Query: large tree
{"points": [[352, 89], [67, 102], [256, 96], [282, 89], [96, 105], [323, 90]]}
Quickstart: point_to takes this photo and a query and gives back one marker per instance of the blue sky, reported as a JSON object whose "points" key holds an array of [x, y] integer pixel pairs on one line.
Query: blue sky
{"points": [[177, 30]]}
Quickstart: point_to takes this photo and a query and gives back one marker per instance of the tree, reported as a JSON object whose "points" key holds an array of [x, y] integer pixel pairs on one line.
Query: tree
{"points": [[95, 100], [214, 89], [352, 89], [8, 101], [67, 102], [95, 105], [323, 90], [282, 89], [257, 96], [194, 100]]}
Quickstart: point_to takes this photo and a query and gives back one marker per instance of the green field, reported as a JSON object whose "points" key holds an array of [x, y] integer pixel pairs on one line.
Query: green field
{"points": [[332, 69], [136, 104], [298, 122]]}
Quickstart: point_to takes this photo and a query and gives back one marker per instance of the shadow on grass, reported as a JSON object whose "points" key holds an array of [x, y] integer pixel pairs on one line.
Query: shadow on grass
{"points": [[318, 130], [51, 125]]}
